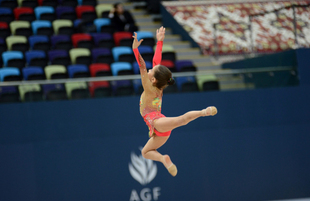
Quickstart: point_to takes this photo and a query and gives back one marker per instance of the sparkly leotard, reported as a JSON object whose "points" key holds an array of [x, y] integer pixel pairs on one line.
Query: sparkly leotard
{"points": [[150, 103]]}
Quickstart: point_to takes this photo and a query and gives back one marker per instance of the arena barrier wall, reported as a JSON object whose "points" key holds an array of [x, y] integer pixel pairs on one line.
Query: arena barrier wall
{"points": [[256, 148]]}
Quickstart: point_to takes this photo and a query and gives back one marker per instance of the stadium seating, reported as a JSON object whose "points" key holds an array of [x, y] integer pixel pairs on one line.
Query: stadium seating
{"points": [[46, 39]]}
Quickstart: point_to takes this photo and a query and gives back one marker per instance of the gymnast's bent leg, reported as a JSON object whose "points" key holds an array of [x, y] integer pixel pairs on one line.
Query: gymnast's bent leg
{"points": [[149, 151]]}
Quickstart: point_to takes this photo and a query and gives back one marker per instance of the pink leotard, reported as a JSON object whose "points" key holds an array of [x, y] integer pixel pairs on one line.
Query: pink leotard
{"points": [[150, 105]]}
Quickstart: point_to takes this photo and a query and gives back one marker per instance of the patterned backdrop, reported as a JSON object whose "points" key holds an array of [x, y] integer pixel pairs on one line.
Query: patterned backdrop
{"points": [[271, 32]]}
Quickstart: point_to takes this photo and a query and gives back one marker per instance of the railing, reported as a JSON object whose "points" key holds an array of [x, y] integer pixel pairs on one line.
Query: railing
{"points": [[135, 77]]}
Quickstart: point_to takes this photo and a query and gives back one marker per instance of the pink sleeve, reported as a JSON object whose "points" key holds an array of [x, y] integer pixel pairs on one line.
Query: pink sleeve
{"points": [[157, 55], [136, 53]]}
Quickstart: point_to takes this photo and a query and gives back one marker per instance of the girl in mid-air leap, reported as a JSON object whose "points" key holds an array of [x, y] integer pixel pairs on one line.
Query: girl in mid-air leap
{"points": [[154, 81]]}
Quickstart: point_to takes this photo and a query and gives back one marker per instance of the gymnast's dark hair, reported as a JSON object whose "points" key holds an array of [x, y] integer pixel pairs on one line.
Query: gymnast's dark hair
{"points": [[163, 76]]}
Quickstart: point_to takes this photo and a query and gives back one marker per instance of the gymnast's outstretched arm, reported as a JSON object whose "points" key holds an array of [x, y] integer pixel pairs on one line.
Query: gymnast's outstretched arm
{"points": [[146, 83], [160, 35]]}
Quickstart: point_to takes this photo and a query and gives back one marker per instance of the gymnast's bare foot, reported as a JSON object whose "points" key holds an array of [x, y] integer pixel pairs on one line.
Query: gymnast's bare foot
{"points": [[172, 169], [209, 111]]}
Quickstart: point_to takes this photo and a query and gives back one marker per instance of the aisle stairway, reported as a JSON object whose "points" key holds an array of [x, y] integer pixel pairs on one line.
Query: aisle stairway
{"points": [[184, 51]]}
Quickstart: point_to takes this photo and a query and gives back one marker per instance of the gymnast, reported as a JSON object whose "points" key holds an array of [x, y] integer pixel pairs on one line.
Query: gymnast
{"points": [[154, 82]]}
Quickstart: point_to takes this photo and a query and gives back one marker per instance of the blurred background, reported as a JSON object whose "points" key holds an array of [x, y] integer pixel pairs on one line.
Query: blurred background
{"points": [[70, 127]]}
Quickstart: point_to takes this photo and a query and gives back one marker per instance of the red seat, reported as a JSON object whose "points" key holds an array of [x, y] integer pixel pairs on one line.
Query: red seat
{"points": [[22, 10], [169, 64], [4, 25], [82, 9], [99, 69], [99, 84], [76, 38], [118, 36]]}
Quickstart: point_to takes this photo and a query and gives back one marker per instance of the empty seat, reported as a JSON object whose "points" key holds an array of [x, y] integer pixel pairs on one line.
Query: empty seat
{"points": [[55, 72], [184, 65], [6, 15], [30, 92], [103, 40], [169, 64], [53, 92], [86, 12], [77, 90], [78, 71], [33, 73], [9, 94], [103, 10], [102, 55], [13, 59], [66, 12], [22, 28], [103, 25], [60, 57], [123, 88], [147, 36], [168, 53], [208, 83], [123, 54], [24, 14], [80, 56], [18, 43], [62, 42], [36, 58], [82, 40], [42, 27], [187, 84], [98, 69], [4, 30], [9, 74], [121, 68], [45, 13], [122, 35], [63, 26], [37, 42], [100, 89]]}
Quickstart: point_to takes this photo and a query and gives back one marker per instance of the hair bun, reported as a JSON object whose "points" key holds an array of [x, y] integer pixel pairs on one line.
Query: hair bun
{"points": [[171, 81]]}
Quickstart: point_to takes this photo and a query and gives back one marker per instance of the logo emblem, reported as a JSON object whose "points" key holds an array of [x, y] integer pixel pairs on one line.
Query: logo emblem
{"points": [[141, 169]]}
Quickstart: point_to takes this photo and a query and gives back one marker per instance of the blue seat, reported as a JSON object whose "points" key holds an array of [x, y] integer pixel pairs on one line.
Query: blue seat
{"points": [[36, 54], [33, 73], [54, 92], [9, 94], [42, 10], [117, 67], [117, 51], [145, 49], [122, 88], [6, 14], [78, 70], [8, 55], [38, 24], [137, 85], [34, 39], [136, 68], [144, 34], [187, 84], [9, 71], [99, 22]]}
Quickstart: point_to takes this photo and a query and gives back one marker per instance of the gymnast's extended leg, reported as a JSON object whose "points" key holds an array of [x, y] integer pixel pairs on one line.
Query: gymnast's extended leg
{"points": [[169, 123]]}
